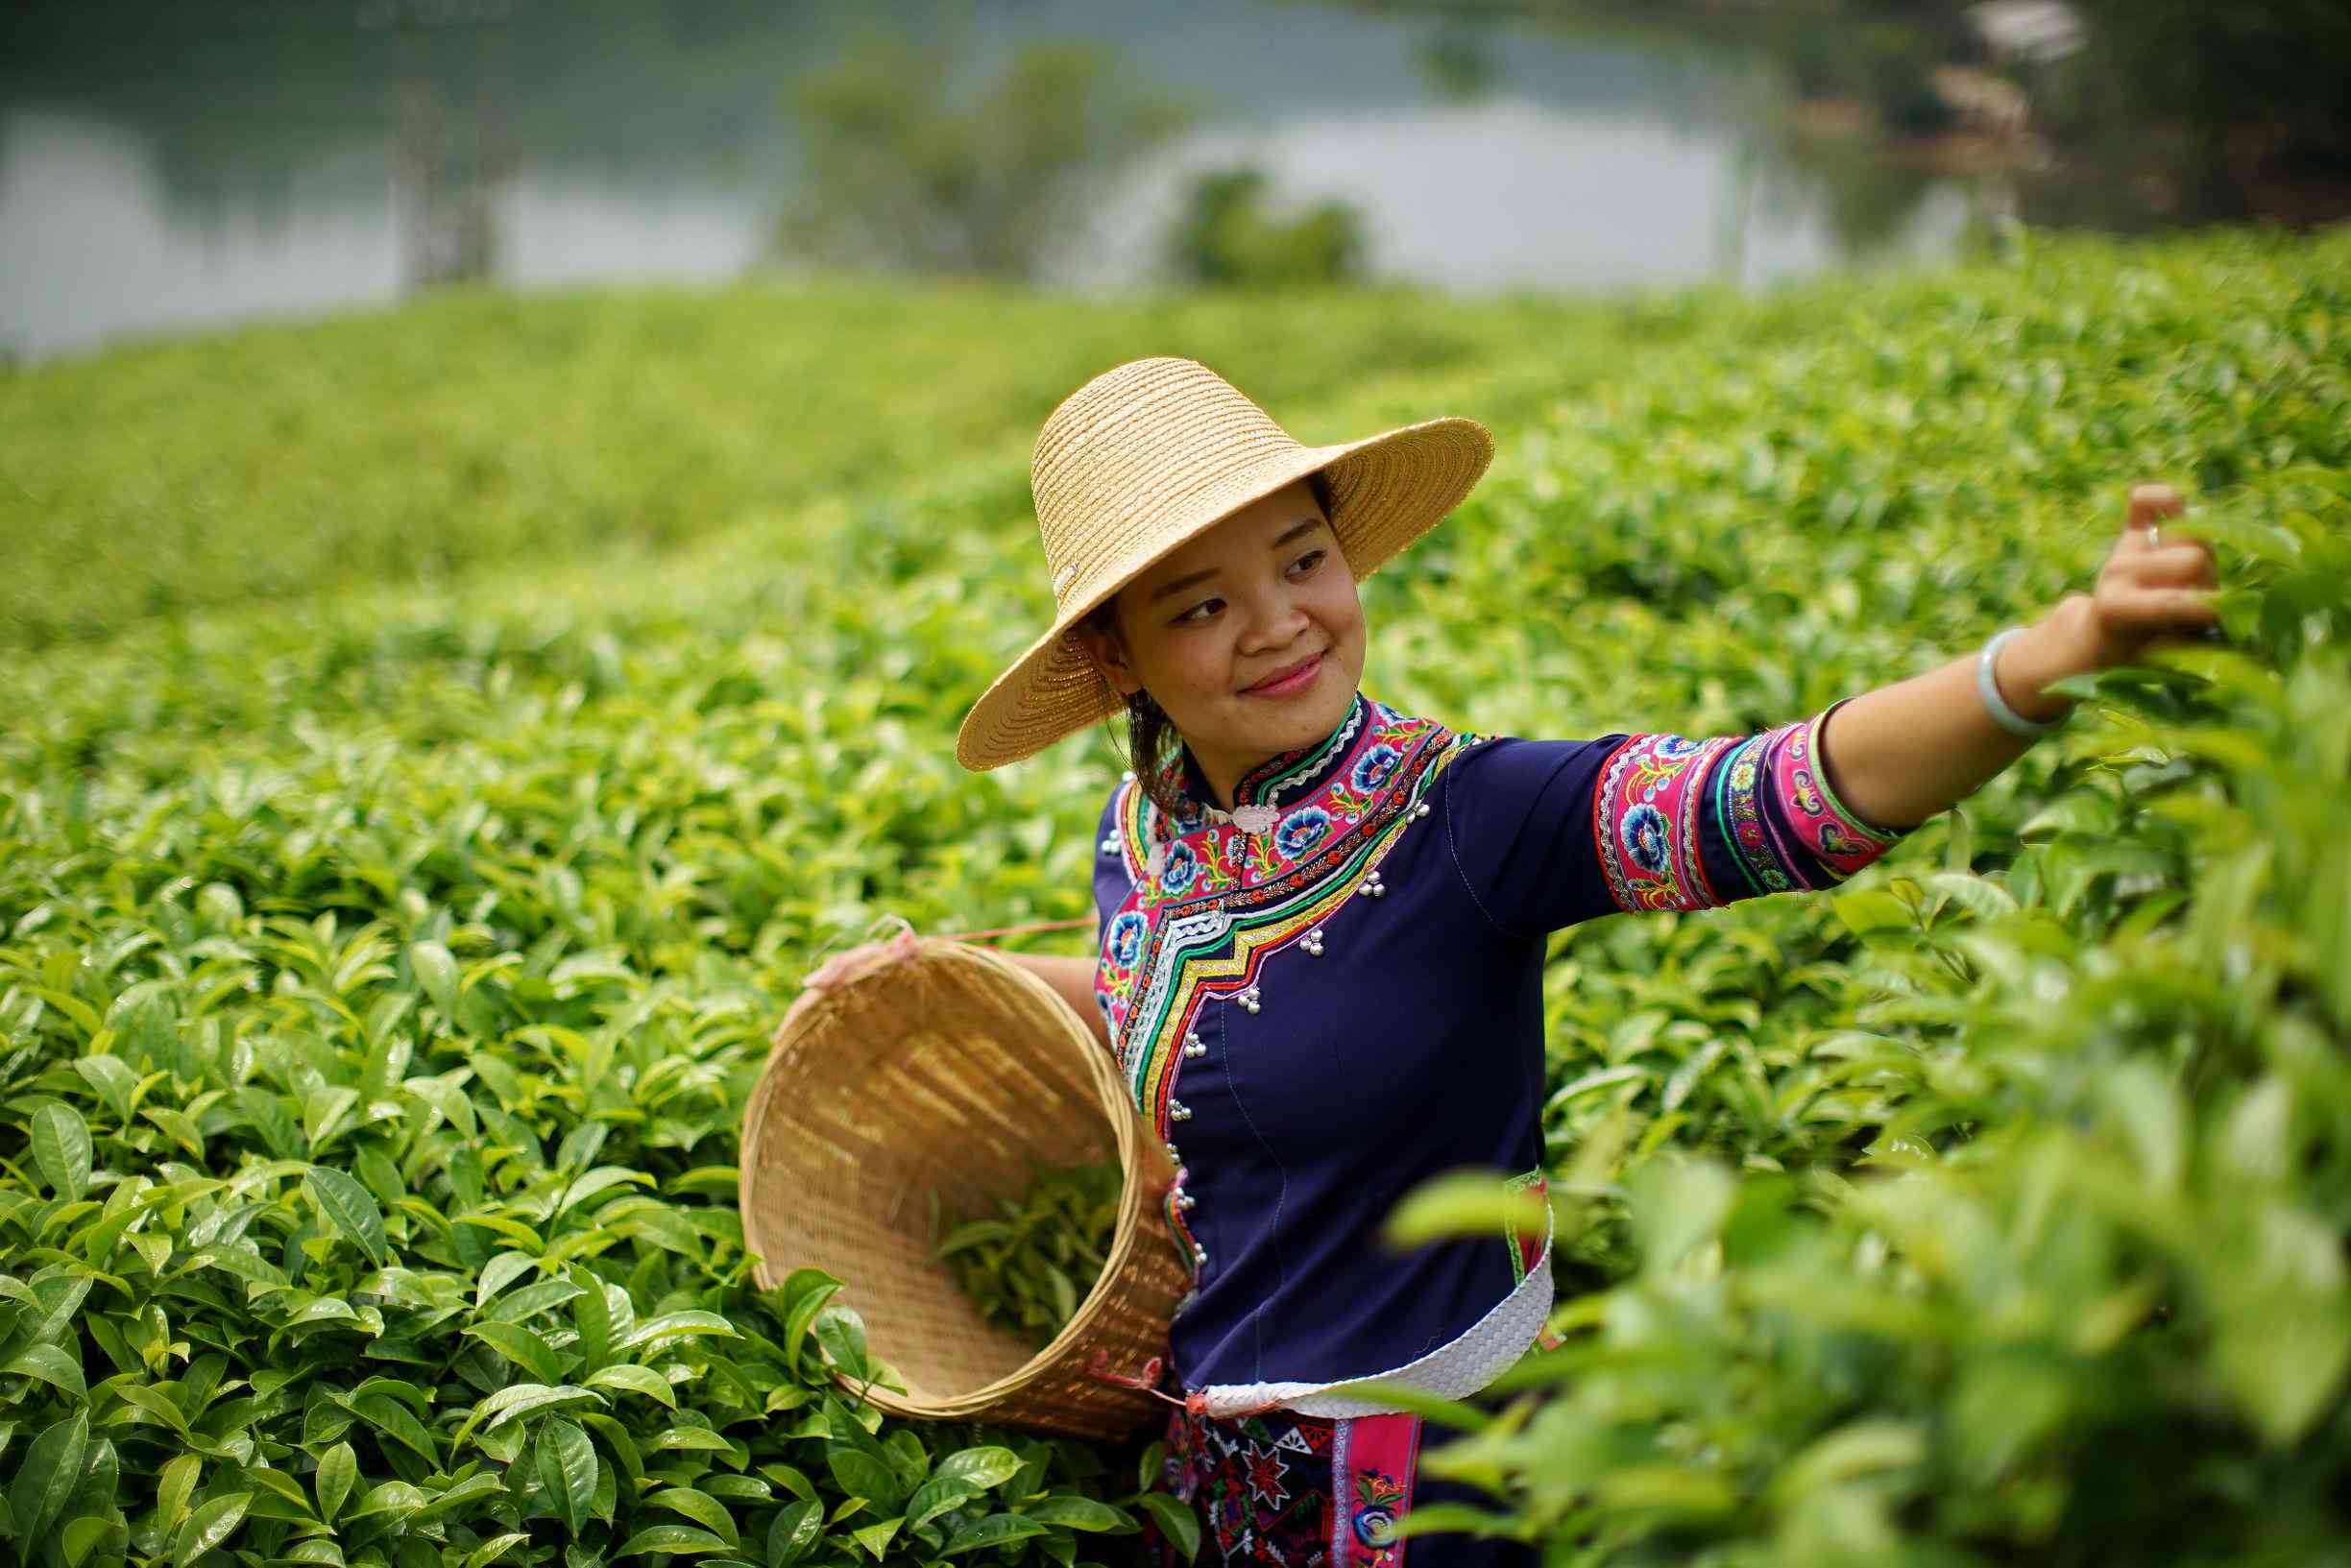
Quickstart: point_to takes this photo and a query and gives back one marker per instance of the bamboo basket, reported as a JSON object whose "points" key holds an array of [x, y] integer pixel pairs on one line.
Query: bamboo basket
{"points": [[953, 1070]]}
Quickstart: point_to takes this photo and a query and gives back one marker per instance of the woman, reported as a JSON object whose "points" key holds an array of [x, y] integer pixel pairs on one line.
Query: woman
{"points": [[1323, 920]]}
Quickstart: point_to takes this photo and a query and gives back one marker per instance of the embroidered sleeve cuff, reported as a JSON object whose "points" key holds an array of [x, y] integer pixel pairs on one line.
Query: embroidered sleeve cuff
{"points": [[1785, 825], [1646, 819], [1695, 824]]}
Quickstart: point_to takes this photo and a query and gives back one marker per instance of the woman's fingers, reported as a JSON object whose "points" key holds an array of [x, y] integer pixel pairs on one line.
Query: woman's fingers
{"points": [[2177, 561], [2157, 585], [2148, 609], [2149, 504]]}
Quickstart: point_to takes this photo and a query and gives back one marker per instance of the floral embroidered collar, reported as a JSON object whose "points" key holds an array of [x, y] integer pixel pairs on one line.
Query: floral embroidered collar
{"points": [[1257, 795]]}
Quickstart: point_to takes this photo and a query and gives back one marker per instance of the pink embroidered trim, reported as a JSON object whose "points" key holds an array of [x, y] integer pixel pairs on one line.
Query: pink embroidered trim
{"points": [[1373, 1461], [1646, 813], [1841, 840]]}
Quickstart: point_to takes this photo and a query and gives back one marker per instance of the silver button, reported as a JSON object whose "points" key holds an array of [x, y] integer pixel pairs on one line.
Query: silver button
{"points": [[1177, 1109]]}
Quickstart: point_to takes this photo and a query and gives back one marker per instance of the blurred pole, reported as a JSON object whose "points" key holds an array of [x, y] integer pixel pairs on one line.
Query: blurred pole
{"points": [[447, 161], [1755, 101]]}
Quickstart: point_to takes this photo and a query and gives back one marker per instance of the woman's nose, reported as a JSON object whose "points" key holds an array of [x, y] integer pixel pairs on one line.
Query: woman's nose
{"points": [[1275, 623]]}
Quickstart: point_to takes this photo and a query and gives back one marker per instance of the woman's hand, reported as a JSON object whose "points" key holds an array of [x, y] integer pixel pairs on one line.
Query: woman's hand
{"points": [[841, 969], [1901, 753], [2156, 587]]}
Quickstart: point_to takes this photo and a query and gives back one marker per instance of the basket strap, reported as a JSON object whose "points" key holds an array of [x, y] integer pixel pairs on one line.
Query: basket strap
{"points": [[1016, 930], [1146, 1383]]}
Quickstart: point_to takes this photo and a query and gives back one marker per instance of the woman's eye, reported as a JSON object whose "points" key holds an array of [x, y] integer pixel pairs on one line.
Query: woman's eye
{"points": [[1302, 565]]}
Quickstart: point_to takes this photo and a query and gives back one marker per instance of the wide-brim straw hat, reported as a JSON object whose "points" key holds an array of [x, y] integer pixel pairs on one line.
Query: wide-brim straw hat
{"points": [[1152, 452]]}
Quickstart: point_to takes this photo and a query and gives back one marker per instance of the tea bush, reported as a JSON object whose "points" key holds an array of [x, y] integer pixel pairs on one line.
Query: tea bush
{"points": [[383, 969]]}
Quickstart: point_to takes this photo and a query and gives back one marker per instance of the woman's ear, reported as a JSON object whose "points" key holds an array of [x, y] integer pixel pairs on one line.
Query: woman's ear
{"points": [[1109, 655]]}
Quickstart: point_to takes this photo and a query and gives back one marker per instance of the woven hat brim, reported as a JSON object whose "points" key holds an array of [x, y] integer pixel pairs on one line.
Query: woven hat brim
{"points": [[1387, 490]]}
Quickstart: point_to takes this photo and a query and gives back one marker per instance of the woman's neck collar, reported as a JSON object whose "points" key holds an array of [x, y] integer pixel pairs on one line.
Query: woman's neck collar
{"points": [[1296, 772]]}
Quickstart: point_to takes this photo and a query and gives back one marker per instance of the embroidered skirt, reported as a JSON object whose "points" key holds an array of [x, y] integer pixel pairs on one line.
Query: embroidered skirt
{"points": [[1312, 1493]]}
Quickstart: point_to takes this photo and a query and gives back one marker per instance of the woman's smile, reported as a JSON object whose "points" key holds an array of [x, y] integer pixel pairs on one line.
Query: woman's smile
{"points": [[1289, 684]]}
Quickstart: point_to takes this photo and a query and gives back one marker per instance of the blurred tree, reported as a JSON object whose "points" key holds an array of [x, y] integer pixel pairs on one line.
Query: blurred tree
{"points": [[1225, 238], [1458, 63], [900, 178], [1883, 63], [2253, 87]]}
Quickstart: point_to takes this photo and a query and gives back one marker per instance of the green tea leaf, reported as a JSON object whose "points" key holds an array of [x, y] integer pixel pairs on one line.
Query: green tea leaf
{"points": [[656, 1331], [208, 1527], [795, 1532], [348, 1208], [1176, 1522], [639, 1380], [61, 1149], [996, 1530], [861, 1475], [50, 1365], [525, 1349], [681, 1539], [981, 1467], [437, 972], [876, 1538], [567, 1470], [338, 1468], [699, 1507], [52, 1468], [1076, 1512]]}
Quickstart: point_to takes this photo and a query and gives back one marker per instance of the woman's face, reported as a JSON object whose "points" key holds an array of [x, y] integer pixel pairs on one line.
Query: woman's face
{"points": [[1261, 593]]}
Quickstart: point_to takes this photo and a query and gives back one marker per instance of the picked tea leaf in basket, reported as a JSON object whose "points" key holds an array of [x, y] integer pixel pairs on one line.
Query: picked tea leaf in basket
{"points": [[1027, 1266]]}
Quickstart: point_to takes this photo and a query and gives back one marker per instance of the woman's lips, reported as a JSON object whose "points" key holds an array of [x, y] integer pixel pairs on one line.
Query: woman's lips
{"points": [[1288, 684]]}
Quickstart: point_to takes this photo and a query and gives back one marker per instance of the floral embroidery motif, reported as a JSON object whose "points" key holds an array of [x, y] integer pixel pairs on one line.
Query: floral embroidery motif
{"points": [[1177, 869], [1126, 939], [1824, 824], [1644, 834], [1372, 769], [1300, 831], [1377, 1495]]}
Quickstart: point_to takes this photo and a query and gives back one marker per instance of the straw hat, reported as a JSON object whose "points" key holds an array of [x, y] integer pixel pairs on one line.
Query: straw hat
{"points": [[1147, 455]]}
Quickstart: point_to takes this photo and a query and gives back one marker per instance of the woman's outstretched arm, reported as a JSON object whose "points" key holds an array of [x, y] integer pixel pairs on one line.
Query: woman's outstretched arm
{"points": [[1901, 753]]}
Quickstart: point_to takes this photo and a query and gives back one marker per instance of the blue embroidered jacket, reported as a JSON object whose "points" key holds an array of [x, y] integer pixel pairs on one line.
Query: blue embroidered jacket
{"points": [[1322, 1016]]}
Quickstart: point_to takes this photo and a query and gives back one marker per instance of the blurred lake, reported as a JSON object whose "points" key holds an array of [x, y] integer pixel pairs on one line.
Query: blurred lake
{"points": [[166, 166]]}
